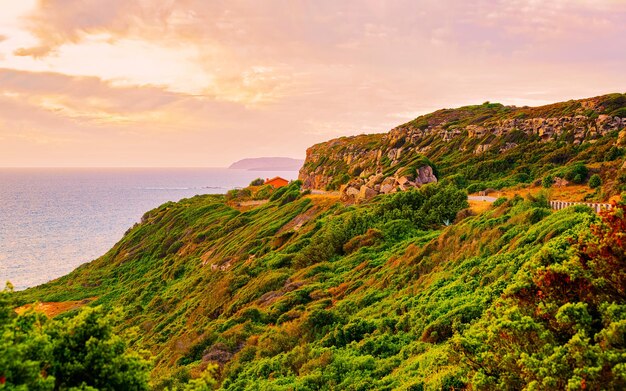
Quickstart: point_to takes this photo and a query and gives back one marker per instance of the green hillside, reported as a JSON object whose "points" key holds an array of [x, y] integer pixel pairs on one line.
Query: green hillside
{"points": [[409, 290], [312, 294]]}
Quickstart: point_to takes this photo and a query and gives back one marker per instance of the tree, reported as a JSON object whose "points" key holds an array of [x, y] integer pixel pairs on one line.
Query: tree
{"points": [[257, 182], [206, 381], [577, 173], [76, 353], [547, 181], [24, 348], [563, 324], [595, 181], [86, 352]]}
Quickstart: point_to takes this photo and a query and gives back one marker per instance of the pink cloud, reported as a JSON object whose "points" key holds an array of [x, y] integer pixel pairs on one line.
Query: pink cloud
{"points": [[283, 75]]}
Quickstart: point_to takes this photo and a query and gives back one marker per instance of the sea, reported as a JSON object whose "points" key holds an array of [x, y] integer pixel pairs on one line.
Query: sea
{"points": [[53, 220]]}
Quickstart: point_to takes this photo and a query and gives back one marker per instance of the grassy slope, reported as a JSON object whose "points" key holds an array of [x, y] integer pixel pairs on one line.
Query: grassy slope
{"points": [[310, 294], [378, 313]]}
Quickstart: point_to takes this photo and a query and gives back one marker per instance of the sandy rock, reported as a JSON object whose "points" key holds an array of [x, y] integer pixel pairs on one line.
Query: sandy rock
{"points": [[374, 180], [366, 193], [560, 182], [481, 148], [475, 131], [425, 175], [352, 191], [403, 180], [387, 188]]}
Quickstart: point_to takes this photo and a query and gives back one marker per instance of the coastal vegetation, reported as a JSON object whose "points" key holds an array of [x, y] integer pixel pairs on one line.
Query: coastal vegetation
{"points": [[410, 290], [314, 294]]}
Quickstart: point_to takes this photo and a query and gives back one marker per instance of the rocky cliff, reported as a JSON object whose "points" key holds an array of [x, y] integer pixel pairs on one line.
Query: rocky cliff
{"points": [[410, 154]]}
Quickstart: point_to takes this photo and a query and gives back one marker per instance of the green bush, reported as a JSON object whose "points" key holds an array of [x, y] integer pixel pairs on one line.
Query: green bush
{"points": [[547, 181], [595, 181], [75, 352], [576, 173], [476, 187], [613, 153], [500, 201]]}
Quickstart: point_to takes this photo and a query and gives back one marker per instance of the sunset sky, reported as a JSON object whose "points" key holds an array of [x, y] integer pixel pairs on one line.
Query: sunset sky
{"points": [[204, 83]]}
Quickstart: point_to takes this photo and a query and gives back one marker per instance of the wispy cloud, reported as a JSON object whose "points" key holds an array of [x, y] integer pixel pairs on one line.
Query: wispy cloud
{"points": [[213, 81]]}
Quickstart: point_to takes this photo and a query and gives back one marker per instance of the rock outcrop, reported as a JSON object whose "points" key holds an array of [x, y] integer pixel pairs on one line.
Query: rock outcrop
{"points": [[359, 189]]}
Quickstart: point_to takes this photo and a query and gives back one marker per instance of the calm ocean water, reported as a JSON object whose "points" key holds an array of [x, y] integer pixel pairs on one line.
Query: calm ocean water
{"points": [[53, 220]]}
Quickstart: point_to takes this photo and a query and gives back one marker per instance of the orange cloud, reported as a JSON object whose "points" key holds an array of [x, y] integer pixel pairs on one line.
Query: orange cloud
{"points": [[36, 52], [193, 82]]}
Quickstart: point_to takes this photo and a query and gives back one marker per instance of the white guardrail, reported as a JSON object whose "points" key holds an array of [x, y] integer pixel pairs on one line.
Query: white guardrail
{"points": [[558, 205]]}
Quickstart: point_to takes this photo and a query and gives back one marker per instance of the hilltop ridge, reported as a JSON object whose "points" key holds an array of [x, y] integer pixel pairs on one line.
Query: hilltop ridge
{"points": [[488, 145]]}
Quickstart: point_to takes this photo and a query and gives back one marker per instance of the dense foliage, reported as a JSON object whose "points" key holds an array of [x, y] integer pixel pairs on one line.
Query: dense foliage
{"points": [[312, 294], [562, 324], [80, 352]]}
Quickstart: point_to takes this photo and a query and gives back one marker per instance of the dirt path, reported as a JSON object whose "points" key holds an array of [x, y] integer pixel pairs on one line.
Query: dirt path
{"points": [[481, 198]]}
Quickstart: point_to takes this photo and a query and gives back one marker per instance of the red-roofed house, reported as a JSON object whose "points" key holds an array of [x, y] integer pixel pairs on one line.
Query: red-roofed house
{"points": [[277, 182]]}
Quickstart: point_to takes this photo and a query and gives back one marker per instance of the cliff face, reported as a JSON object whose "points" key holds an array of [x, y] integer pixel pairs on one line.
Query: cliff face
{"points": [[366, 165]]}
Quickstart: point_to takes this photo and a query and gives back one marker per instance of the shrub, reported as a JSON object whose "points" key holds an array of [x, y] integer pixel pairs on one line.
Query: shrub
{"points": [[79, 352], [613, 153], [476, 187], [257, 182], [500, 201], [264, 193], [457, 180], [595, 181], [576, 173], [547, 181], [369, 238]]}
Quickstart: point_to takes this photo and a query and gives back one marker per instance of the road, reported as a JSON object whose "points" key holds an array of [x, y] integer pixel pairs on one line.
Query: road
{"points": [[481, 198]]}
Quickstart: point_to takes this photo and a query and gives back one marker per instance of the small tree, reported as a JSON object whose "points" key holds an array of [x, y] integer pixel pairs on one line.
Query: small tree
{"points": [[257, 182], [81, 352], [24, 348], [86, 352], [548, 181], [595, 181]]}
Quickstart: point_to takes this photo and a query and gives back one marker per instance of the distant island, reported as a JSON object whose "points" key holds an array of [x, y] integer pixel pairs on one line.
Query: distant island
{"points": [[268, 164]]}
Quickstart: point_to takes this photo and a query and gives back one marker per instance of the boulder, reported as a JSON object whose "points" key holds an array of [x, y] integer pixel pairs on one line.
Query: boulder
{"points": [[351, 191], [560, 182], [403, 180], [425, 175], [366, 193], [387, 188], [388, 181], [481, 148], [375, 180]]}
